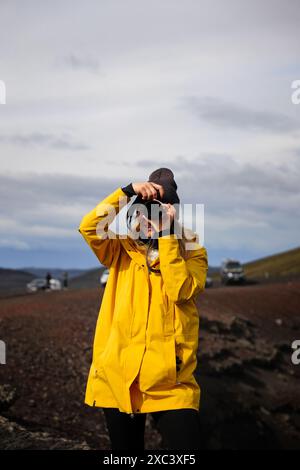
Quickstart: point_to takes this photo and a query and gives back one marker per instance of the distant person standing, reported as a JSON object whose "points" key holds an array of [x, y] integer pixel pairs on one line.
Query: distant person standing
{"points": [[65, 280], [48, 279]]}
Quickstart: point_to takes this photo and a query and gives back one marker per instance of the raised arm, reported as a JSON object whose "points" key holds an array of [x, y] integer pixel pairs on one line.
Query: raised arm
{"points": [[94, 227], [183, 279]]}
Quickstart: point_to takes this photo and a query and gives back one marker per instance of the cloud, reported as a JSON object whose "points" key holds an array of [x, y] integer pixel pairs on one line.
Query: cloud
{"points": [[81, 62], [13, 243], [222, 172], [225, 114], [131, 95], [40, 139], [49, 200], [43, 211], [247, 206]]}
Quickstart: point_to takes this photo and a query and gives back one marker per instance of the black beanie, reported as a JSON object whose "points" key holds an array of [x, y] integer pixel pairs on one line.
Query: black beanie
{"points": [[164, 177]]}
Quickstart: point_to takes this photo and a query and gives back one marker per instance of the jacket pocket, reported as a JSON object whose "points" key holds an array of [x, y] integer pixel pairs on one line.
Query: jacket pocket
{"points": [[169, 314], [158, 368], [170, 355], [176, 362], [96, 370], [102, 355], [97, 361]]}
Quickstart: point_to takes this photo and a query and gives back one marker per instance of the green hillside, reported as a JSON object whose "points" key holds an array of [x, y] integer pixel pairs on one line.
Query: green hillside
{"points": [[284, 265], [281, 265]]}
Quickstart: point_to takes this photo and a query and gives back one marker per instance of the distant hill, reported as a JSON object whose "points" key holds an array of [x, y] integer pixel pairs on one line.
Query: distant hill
{"points": [[212, 270], [56, 273], [88, 279], [284, 265], [14, 280], [281, 265]]}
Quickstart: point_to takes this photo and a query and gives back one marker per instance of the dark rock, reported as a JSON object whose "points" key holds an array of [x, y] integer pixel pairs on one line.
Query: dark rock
{"points": [[16, 437], [7, 396]]}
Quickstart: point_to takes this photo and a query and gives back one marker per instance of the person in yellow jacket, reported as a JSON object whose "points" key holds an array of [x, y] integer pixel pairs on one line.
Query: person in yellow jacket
{"points": [[146, 338]]}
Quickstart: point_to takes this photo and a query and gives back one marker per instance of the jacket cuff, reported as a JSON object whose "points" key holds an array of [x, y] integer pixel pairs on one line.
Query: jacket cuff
{"points": [[128, 190]]}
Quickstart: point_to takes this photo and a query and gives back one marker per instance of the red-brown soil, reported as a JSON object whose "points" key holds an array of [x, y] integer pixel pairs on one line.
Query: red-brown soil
{"points": [[250, 388]]}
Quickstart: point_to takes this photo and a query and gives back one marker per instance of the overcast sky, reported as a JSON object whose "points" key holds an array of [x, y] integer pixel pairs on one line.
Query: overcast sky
{"points": [[101, 93]]}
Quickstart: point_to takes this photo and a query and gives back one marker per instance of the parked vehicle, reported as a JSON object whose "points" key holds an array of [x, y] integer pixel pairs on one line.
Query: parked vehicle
{"points": [[208, 282], [41, 284], [104, 277], [232, 272]]}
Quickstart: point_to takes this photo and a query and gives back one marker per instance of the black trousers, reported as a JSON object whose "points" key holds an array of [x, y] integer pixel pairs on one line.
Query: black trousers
{"points": [[180, 429]]}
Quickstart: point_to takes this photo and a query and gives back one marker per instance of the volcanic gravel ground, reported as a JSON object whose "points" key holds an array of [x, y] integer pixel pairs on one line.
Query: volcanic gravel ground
{"points": [[250, 388]]}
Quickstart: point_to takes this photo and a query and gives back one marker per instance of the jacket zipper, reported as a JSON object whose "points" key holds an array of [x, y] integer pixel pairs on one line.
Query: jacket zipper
{"points": [[149, 297]]}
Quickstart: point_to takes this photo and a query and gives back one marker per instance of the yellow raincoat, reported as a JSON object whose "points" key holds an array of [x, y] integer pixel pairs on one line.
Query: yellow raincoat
{"points": [[145, 320]]}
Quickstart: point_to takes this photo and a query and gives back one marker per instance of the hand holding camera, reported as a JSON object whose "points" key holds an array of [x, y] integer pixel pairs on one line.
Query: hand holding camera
{"points": [[148, 190], [159, 216]]}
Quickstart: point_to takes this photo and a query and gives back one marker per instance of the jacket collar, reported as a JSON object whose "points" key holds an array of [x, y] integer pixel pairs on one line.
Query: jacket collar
{"points": [[138, 256]]}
